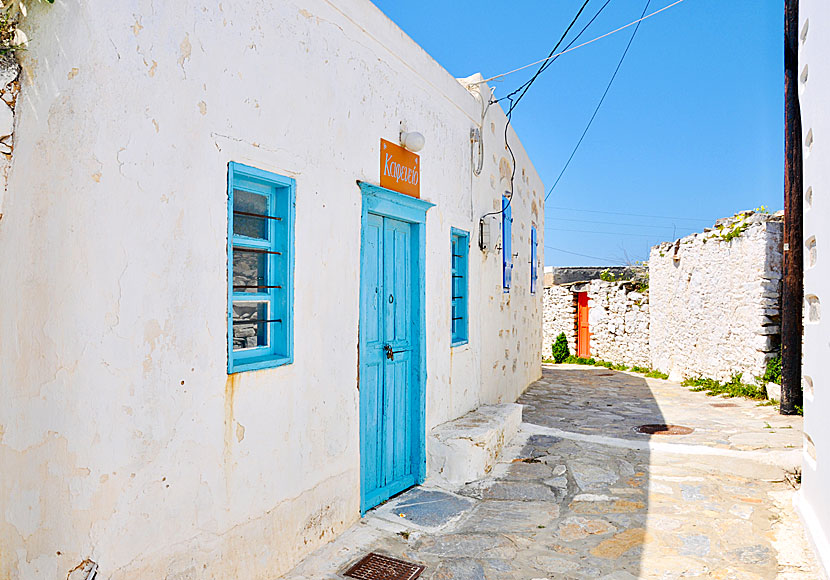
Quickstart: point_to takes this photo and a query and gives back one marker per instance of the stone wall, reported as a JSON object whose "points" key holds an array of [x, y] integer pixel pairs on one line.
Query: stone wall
{"points": [[715, 301], [9, 89], [558, 315], [618, 320]]}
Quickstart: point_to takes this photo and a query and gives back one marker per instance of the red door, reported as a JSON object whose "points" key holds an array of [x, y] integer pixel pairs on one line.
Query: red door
{"points": [[583, 340]]}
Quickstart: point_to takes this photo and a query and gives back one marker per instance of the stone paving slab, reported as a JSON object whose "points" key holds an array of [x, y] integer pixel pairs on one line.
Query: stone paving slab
{"points": [[598, 401], [567, 508]]}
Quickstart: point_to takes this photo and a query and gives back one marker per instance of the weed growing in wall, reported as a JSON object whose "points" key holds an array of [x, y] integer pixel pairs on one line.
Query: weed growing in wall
{"points": [[607, 276], [773, 371], [12, 38]]}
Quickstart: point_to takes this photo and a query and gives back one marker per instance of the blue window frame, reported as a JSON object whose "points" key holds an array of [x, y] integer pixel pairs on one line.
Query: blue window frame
{"points": [[533, 259], [460, 249], [260, 268], [507, 242]]}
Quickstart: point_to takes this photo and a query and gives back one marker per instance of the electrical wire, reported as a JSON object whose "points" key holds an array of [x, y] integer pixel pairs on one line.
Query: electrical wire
{"points": [[553, 56], [524, 88], [570, 220], [578, 254], [663, 217], [607, 233], [605, 94]]}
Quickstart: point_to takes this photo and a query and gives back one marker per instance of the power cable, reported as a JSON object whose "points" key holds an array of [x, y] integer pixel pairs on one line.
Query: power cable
{"points": [[605, 94], [620, 224], [551, 58], [578, 254], [662, 217], [608, 233], [568, 49], [513, 104]]}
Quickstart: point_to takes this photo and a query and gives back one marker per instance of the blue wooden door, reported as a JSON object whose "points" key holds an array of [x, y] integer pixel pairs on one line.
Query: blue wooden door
{"points": [[389, 413]]}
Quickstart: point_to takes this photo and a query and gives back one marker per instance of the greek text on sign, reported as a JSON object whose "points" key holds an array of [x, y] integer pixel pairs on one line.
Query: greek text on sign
{"points": [[400, 170]]}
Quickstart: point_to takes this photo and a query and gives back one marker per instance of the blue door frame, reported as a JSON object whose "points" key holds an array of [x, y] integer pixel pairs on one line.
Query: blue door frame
{"points": [[380, 203]]}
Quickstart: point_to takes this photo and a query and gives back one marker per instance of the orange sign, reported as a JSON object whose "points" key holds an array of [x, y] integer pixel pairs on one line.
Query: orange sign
{"points": [[400, 170]]}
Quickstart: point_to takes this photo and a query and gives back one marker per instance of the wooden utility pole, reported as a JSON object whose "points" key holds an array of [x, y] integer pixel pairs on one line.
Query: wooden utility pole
{"points": [[792, 292]]}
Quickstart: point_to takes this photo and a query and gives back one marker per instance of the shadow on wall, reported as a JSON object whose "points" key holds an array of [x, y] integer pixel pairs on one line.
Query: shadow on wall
{"points": [[604, 488]]}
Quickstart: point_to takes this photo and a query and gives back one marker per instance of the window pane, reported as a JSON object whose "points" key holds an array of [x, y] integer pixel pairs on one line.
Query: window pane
{"points": [[250, 269], [247, 333], [247, 225]]}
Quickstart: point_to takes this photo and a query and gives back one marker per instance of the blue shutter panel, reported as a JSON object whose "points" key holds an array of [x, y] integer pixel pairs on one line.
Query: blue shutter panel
{"points": [[533, 259], [506, 243]]}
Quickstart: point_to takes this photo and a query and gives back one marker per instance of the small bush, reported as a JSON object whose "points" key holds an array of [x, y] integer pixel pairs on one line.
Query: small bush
{"points": [[560, 349]]}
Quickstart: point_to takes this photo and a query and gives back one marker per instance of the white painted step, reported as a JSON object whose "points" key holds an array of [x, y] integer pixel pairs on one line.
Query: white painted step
{"points": [[467, 448]]}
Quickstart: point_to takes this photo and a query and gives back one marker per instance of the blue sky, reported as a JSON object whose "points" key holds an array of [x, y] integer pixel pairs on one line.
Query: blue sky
{"points": [[691, 131]]}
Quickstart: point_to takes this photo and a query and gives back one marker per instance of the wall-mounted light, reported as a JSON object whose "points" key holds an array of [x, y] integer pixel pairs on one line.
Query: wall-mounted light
{"points": [[413, 140]]}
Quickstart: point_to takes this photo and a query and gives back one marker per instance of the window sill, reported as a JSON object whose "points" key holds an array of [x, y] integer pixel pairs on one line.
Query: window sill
{"points": [[457, 343], [255, 365]]}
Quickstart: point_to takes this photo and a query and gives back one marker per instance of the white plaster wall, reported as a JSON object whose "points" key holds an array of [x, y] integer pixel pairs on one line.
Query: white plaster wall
{"points": [[714, 304], [126, 440], [814, 501]]}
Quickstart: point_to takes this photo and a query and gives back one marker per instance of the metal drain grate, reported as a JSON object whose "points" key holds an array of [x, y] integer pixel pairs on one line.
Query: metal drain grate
{"points": [[663, 430], [379, 567], [724, 405]]}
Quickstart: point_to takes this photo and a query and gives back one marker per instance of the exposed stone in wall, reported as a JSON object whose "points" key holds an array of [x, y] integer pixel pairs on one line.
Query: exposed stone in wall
{"points": [[558, 315], [9, 89], [715, 303], [618, 320]]}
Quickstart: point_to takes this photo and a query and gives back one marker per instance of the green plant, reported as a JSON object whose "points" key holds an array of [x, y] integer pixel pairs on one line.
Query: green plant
{"points": [[641, 276], [12, 12], [607, 276], [773, 371], [560, 349], [734, 388]]}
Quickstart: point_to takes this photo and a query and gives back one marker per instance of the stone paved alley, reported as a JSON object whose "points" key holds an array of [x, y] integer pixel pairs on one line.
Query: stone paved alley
{"points": [[580, 494]]}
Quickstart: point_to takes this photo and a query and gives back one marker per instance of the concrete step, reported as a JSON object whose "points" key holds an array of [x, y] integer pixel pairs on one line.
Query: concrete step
{"points": [[467, 448]]}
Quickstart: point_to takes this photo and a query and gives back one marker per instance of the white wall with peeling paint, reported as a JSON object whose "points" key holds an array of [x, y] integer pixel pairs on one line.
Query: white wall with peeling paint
{"points": [[122, 439], [813, 501]]}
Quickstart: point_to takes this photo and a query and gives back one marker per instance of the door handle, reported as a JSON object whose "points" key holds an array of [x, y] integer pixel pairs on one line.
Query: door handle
{"points": [[390, 354]]}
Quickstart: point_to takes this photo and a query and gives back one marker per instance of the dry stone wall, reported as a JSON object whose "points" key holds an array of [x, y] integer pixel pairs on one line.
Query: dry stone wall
{"points": [[559, 315], [618, 320], [9, 89], [715, 302]]}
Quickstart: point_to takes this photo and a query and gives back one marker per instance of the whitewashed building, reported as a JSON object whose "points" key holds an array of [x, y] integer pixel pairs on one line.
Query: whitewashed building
{"points": [[220, 339], [814, 86]]}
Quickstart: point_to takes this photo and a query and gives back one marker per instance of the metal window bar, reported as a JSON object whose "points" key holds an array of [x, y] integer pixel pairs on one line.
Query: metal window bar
{"points": [[256, 321], [255, 250], [257, 215], [254, 286]]}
